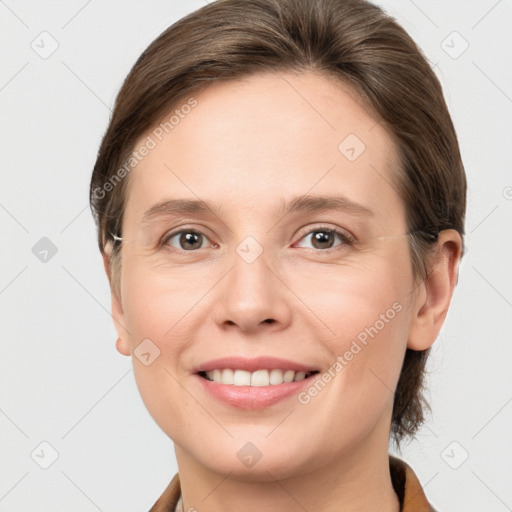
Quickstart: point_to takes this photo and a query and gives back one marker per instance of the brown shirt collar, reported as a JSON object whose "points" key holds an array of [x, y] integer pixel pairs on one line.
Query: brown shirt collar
{"points": [[405, 482]]}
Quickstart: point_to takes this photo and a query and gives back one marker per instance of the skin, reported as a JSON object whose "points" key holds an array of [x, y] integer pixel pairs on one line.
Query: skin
{"points": [[249, 146]]}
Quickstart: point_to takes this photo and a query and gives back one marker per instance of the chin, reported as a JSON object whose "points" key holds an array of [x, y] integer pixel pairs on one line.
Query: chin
{"points": [[260, 460]]}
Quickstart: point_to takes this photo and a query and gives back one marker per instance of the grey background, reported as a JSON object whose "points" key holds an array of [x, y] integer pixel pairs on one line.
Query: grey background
{"points": [[62, 381]]}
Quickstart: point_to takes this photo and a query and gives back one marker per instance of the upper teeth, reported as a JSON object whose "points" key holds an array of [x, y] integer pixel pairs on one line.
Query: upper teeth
{"points": [[257, 378]]}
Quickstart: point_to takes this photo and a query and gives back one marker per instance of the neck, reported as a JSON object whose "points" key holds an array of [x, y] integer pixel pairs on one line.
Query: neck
{"points": [[357, 480]]}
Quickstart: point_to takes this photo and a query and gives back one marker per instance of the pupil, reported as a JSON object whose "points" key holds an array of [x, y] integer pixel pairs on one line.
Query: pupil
{"points": [[190, 239], [322, 237]]}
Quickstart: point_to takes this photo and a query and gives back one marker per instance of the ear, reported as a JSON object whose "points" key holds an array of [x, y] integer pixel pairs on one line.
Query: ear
{"points": [[122, 344], [434, 294]]}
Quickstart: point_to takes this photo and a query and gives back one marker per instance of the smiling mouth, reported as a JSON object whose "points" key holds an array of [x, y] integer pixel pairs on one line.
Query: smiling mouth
{"points": [[258, 378]]}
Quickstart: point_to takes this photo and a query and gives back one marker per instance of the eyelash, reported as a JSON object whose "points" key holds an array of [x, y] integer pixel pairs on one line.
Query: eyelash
{"points": [[346, 238]]}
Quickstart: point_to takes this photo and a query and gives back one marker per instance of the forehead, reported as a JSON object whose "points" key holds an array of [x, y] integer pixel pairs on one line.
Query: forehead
{"points": [[267, 137]]}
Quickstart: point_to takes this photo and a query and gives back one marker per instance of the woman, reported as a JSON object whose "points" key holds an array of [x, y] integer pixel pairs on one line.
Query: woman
{"points": [[280, 204]]}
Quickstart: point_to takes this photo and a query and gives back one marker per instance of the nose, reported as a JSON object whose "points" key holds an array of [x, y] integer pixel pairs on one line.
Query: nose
{"points": [[253, 297]]}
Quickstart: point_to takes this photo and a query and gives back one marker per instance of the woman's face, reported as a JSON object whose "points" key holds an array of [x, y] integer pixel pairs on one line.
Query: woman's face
{"points": [[295, 257]]}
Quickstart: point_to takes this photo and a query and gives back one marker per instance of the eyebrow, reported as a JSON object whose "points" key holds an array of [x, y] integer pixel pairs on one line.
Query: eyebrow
{"points": [[305, 203], [315, 203], [178, 206]]}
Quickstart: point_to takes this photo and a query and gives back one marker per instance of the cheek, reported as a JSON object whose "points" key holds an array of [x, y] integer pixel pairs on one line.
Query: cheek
{"points": [[158, 313], [366, 312], [352, 297], [157, 305]]}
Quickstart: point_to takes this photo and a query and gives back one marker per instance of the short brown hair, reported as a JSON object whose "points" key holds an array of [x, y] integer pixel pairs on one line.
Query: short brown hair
{"points": [[351, 41]]}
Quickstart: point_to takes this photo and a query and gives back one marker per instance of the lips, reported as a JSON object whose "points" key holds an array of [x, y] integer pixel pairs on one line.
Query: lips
{"points": [[253, 364], [253, 383]]}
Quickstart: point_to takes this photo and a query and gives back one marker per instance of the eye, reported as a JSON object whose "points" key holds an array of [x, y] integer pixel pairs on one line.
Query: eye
{"points": [[324, 238], [186, 240]]}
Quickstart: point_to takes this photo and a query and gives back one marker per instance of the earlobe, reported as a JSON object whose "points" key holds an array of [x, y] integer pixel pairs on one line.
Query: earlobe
{"points": [[122, 347], [435, 292]]}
